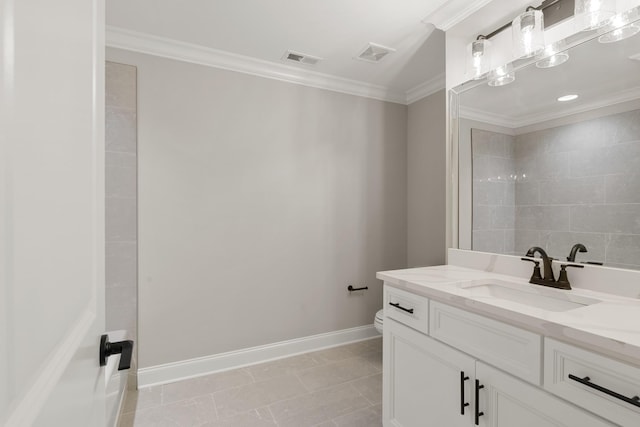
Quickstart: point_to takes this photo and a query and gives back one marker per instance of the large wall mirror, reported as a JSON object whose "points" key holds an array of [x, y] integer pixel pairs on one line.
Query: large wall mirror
{"points": [[537, 169]]}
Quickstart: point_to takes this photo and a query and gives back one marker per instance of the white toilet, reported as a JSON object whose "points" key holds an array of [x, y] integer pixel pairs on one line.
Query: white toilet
{"points": [[378, 320]]}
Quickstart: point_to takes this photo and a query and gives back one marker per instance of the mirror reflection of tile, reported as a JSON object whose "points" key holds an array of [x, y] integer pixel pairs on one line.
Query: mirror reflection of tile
{"points": [[560, 186]]}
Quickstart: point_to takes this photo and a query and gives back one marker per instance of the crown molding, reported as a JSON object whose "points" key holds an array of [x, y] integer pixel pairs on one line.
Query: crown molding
{"points": [[453, 12], [173, 49], [537, 121], [615, 99], [425, 89], [485, 117]]}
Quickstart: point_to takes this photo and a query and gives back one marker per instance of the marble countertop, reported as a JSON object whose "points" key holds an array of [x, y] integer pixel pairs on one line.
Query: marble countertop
{"points": [[610, 326]]}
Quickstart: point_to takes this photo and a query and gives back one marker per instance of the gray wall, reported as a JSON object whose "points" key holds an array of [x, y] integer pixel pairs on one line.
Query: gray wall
{"points": [[259, 202], [426, 177], [575, 183], [121, 192]]}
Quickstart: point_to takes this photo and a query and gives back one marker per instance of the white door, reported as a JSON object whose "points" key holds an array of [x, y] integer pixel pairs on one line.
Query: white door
{"points": [[426, 383], [51, 212]]}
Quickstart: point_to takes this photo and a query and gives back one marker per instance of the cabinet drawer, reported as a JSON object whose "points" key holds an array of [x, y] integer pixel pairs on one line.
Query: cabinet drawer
{"points": [[407, 308], [511, 349], [610, 383]]}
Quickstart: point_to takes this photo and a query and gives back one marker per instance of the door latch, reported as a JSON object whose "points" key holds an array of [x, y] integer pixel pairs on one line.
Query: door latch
{"points": [[123, 348]]}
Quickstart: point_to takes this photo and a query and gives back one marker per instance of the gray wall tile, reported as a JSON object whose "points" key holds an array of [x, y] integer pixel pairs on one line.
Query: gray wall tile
{"points": [[488, 241], [581, 191], [543, 217], [121, 205], [120, 82], [121, 218], [622, 219], [574, 183], [622, 188], [527, 193], [120, 130], [623, 249]]}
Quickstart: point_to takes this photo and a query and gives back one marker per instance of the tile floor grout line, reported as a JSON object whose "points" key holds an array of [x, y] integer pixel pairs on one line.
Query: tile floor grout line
{"points": [[215, 406]]}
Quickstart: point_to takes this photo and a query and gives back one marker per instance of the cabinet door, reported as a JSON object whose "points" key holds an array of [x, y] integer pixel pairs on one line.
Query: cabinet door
{"points": [[508, 402], [422, 380]]}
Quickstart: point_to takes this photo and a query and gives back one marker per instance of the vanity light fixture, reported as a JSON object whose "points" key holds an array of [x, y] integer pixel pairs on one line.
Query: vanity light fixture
{"points": [[502, 75], [528, 33], [553, 55], [592, 14], [528, 37], [620, 29], [567, 98], [478, 58]]}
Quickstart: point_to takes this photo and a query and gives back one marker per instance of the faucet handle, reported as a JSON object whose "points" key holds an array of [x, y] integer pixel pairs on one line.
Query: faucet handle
{"points": [[536, 275], [564, 266], [563, 279]]}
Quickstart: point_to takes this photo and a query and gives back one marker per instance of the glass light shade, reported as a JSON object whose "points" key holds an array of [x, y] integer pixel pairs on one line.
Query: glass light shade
{"points": [[620, 29], [528, 34], [553, 55], [478, 58], [592, 14], [502, 76]]}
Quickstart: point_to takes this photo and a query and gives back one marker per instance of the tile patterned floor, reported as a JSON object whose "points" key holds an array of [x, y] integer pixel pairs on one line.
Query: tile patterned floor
{"points": [[337, 387]]}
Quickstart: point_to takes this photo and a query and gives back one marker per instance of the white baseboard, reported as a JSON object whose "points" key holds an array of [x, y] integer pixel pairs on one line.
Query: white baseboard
{"points": [[176, 371]]}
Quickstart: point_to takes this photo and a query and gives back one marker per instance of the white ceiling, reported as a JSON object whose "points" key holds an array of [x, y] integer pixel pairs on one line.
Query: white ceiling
{"points": [[335, 30]]}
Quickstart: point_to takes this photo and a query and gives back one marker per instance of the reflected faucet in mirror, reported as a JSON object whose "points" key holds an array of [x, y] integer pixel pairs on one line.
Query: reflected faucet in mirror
{"points": [[578, 247]]}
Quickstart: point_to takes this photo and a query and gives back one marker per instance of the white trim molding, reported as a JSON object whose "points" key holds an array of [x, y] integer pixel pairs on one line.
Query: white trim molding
{"points": [[425, 89], [626, 100], [454, 12], [486, 117], [191, 368], [173, 49]]}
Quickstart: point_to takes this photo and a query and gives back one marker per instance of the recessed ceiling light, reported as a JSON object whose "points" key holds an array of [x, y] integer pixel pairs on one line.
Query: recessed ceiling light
{"points": [[566, 98]]}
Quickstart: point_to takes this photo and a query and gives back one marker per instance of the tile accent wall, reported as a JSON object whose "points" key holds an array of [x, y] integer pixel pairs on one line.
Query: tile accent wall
{"points": [[121, 199], [573, 183], [494, 187]]}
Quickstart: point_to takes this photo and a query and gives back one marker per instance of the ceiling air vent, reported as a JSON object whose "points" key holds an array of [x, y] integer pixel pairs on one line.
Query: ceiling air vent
{"points": [[374, 52], [300, 58]]}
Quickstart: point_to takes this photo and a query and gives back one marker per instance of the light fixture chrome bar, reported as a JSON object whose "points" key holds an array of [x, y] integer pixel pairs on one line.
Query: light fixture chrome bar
{"points": [[552, 15]]}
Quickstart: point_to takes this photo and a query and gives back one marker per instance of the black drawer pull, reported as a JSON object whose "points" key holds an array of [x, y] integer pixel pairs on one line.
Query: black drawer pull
{"points": [[398, 306], [463, 404], [635, 400], [478, 414]]}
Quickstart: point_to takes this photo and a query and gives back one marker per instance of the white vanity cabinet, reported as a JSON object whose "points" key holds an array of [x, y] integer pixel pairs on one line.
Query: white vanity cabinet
{"points": [[438, 380], [506, 401], [425, 382]]}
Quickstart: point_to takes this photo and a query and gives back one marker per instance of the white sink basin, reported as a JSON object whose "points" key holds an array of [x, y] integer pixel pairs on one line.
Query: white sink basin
{"points": [[528, 295]]}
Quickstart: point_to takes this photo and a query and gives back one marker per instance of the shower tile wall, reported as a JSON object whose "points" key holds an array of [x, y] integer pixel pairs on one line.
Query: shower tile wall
{"points": [[121, 202], [493, 191], [575, 183]]}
